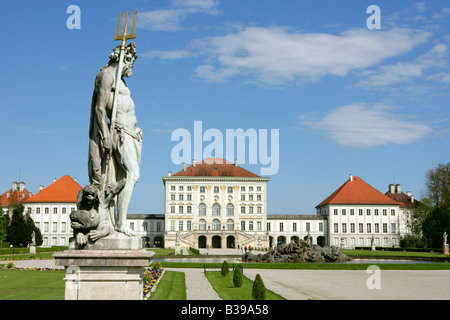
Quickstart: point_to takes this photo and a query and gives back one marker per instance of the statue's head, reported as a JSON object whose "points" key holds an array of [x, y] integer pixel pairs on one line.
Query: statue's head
{"points": [[128, 61]]}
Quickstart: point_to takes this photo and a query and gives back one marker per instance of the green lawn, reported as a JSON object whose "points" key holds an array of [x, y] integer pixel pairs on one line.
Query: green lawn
{"points": [[315, 266], [226, 290], [401, 254], [31, 285], [172, 286]]}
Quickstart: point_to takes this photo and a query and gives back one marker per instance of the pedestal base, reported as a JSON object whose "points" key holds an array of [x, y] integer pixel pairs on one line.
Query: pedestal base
{"points": [[114, 241], [446, 250], [104, 274], [32, 249]]}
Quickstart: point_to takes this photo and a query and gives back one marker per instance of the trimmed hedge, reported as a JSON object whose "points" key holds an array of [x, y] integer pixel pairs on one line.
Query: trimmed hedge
{"points": [[237, 277], [27, 250], [401, 249], [258, 289], [224, 270]]}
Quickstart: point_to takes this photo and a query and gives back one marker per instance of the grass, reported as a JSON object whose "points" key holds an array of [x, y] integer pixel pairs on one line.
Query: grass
{"points": [[226, 290], [27, 256], [400, 254], [171, 287], [31, 285], [315, 266]]}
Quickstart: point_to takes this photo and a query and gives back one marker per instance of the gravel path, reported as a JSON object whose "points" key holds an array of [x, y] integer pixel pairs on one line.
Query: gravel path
{"points": [[197, 286]]}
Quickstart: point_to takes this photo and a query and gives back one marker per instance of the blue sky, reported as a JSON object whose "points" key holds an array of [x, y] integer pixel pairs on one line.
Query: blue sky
{"points": [[345, 99]]}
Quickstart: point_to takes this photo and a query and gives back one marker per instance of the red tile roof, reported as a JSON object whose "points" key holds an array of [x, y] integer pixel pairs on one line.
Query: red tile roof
{"points": [[63, 190], [403, 199], [216, 167], [357, 191], [19, 196]]}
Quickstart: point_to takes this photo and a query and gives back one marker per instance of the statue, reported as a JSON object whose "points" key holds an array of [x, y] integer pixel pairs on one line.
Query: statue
{"points": [[91, 220], [115, 144], [445, 238]]}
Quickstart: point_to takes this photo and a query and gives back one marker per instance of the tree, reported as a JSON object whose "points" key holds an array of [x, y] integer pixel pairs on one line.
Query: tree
{"points": [[438, 184], [3, 226], [435, 224], [20, 228], [258, 289], [224, 270], [237, 277]]}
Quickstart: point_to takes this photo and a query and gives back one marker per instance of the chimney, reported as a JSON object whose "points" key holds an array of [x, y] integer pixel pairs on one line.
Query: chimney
{"points": [[21, 186], [170, 173], [412, 199], [54, 179], [14, 186], [184, 166], [194, 163], [41, 187], [351, 178], [391, 188], [75, 178], [235, 163], [398, 188], [408, 193]]}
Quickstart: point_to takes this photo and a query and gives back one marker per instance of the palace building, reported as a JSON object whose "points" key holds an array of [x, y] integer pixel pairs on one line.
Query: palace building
{"points": [[214, 203]]}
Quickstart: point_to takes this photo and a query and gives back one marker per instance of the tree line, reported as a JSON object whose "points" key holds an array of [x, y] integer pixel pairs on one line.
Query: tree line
{"points": [[18, 228], [431, 218]]}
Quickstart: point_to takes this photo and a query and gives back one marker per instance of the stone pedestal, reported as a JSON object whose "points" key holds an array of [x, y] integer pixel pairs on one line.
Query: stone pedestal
{"points": [[32, 248], [177, 248], [104, 274], [446, 251]]}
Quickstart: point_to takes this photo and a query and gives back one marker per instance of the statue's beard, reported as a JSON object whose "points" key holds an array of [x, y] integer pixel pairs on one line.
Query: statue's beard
{"points": [[127, 72]]}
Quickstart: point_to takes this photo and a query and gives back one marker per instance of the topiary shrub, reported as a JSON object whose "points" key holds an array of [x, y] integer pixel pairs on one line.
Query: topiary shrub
{"points": [[258, 290], [237, 277], [224, 270]]}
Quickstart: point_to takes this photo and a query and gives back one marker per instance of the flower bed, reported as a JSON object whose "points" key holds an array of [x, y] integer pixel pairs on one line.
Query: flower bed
{"points": [[151, 276]]}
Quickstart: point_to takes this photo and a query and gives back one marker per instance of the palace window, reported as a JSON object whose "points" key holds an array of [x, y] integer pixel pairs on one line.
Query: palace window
{"points": [[216, 209], [216, 225], [230, 225], [230, 210], [202, 209], [202, 225]]}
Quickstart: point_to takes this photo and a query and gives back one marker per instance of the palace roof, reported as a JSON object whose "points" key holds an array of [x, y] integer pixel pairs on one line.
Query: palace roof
{"points": [[14, 195], [63, 190], [357, 191], [215, 167]]}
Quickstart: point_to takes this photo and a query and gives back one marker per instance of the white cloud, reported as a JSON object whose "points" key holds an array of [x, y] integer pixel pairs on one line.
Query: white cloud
{"points": [[363, 126], [169, 55], [277, 55], [171, 19], [404, 72]]}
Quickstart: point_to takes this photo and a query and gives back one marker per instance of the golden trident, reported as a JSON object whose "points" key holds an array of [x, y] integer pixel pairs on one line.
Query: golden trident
{"points": [[124, 37]]}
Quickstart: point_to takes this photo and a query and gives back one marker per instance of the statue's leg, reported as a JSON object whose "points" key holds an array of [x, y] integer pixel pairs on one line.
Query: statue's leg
{"points": [[130, 163]]}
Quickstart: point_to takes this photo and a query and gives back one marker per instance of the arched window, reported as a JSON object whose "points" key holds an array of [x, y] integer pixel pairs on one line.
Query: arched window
{"points": [[216, 209], [202, 225], [230, 225], [202, 209], [230, 210], [216, 225]]}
